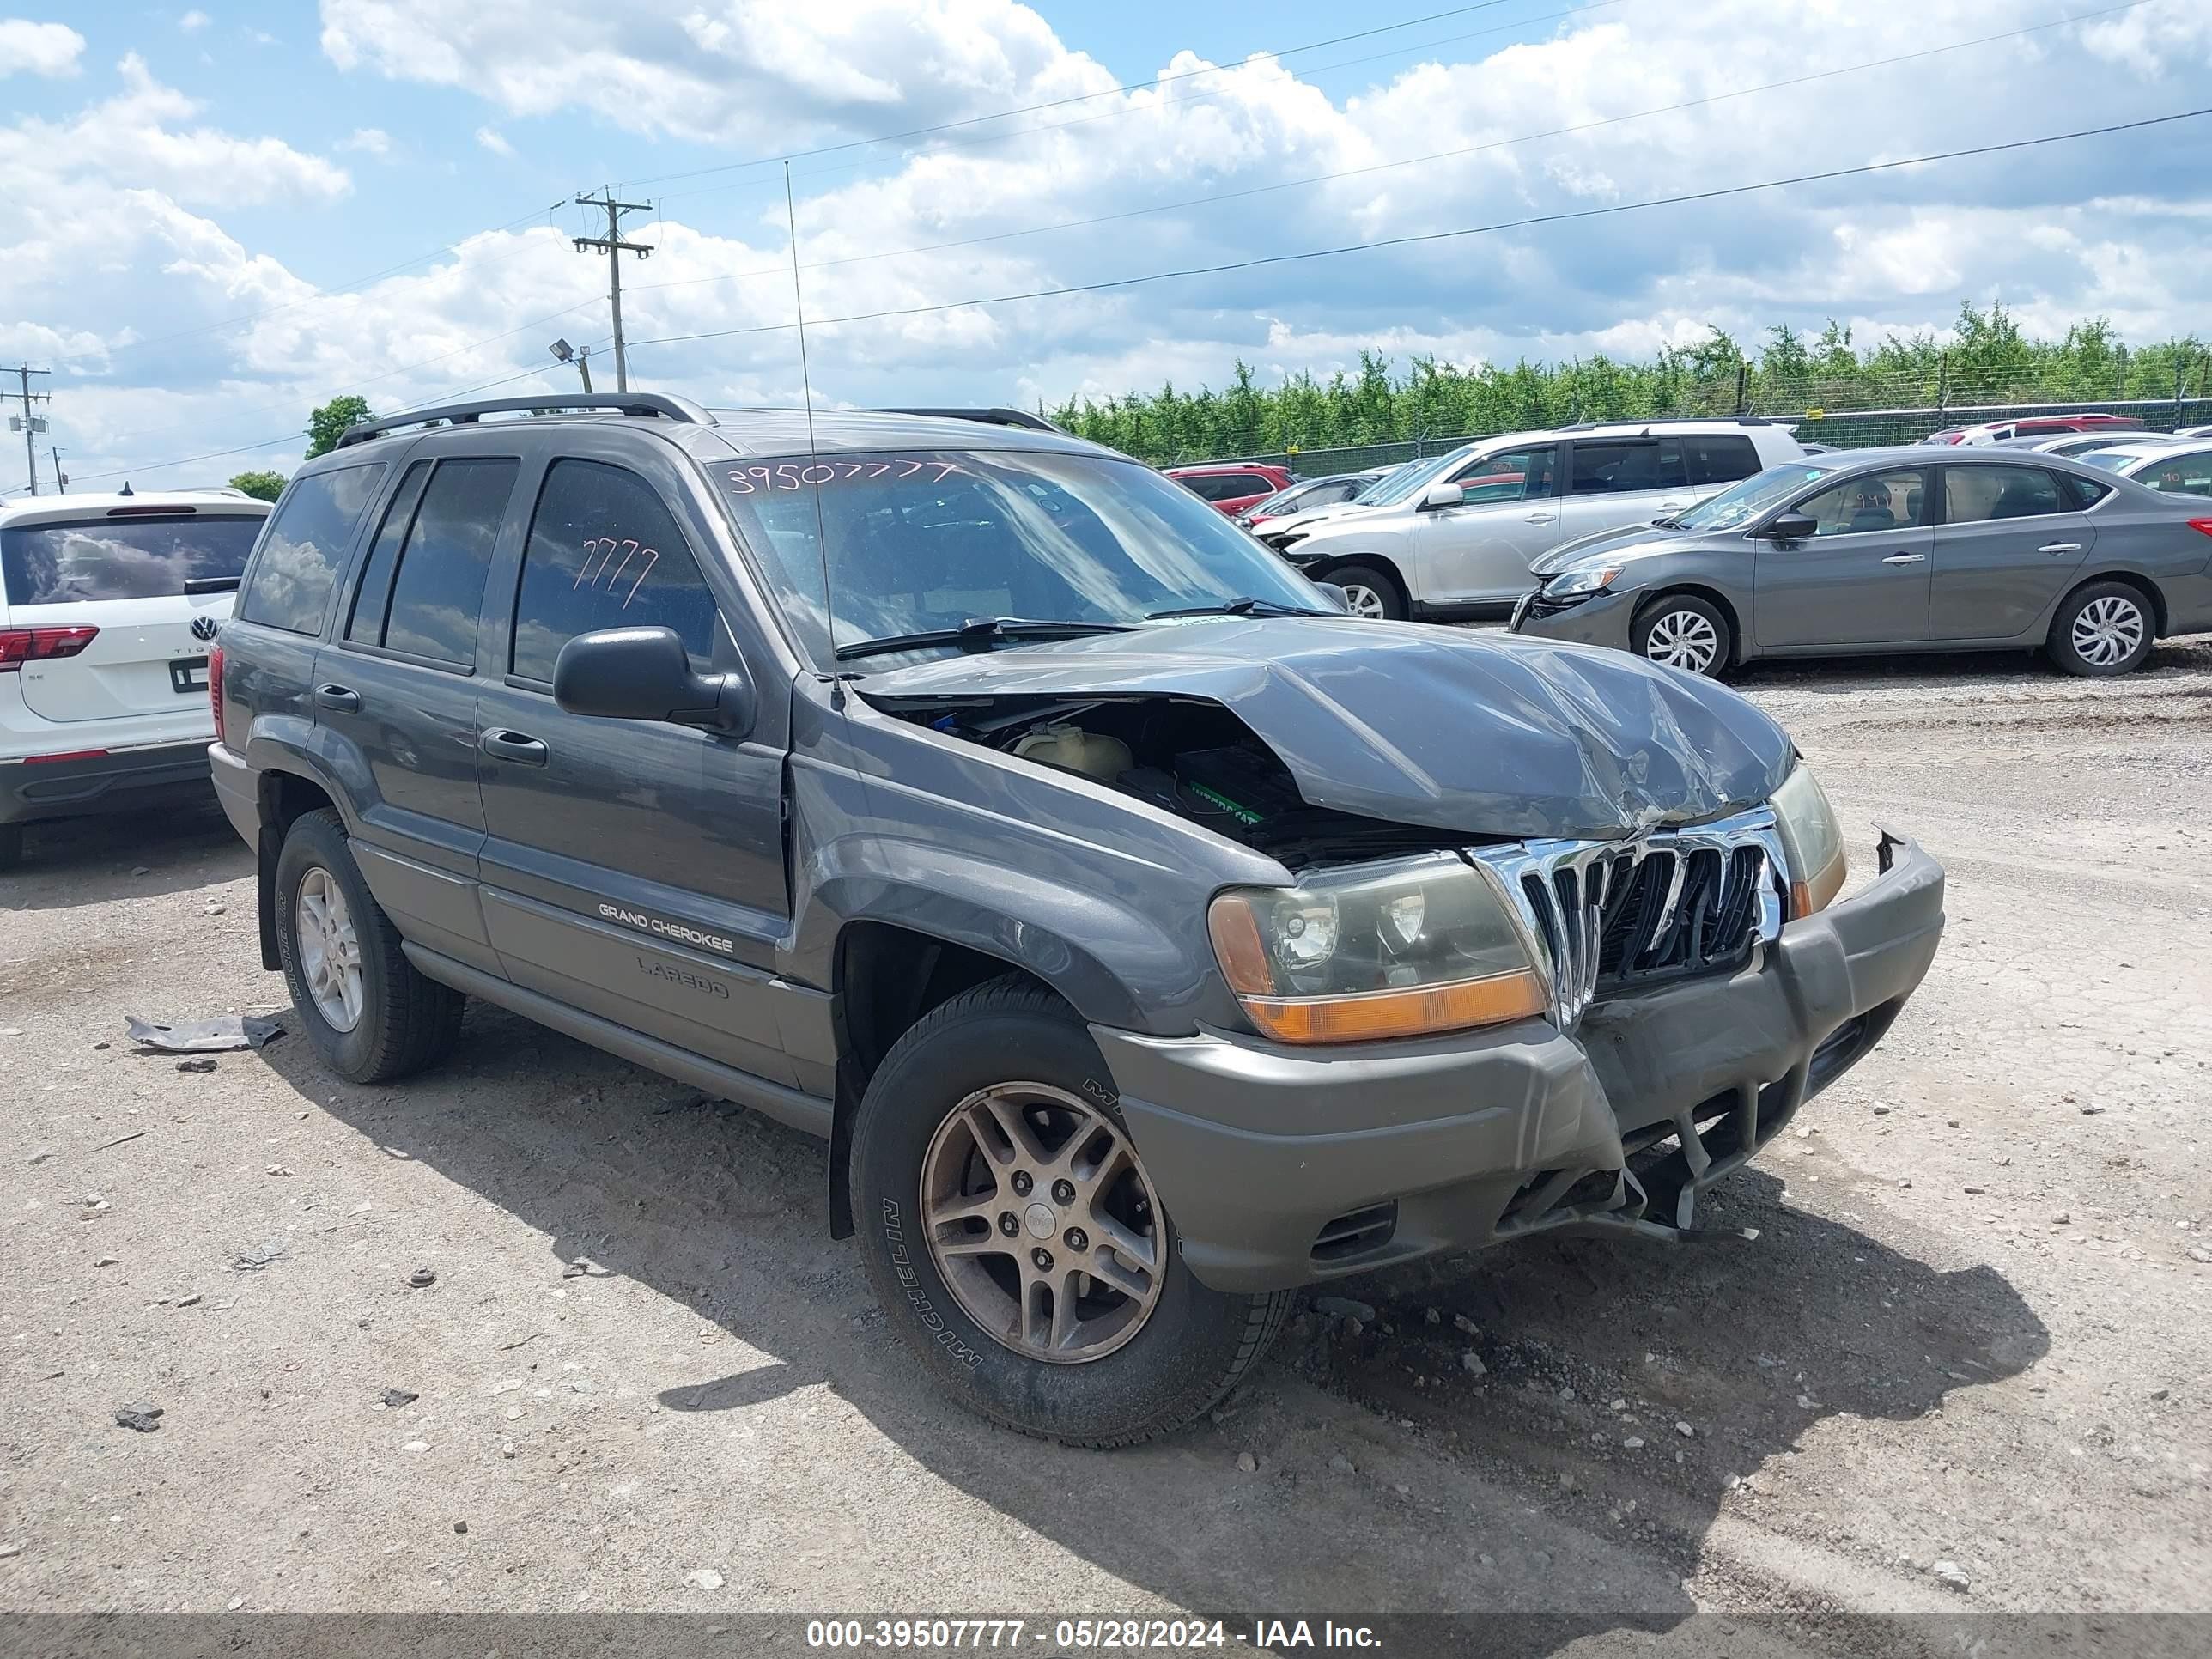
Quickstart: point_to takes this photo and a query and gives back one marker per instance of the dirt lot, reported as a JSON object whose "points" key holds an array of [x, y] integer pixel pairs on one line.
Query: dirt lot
{"points": [[1974, 1330]]}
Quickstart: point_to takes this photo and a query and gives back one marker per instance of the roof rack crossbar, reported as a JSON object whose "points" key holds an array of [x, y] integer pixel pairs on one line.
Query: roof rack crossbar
{"points": [[618, 403], [1020, 417]]}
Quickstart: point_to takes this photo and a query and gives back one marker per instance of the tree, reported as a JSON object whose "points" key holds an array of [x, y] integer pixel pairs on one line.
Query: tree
{"points": [[328, 424], [262, 486]]}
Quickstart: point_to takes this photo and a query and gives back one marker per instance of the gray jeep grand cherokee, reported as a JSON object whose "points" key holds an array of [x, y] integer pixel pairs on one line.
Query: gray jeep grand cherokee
{"points": [[1145, 937]]}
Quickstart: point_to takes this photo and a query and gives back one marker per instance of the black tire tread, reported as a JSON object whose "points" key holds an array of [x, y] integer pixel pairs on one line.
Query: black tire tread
{"points": [[420, 1020], [1684, 597], [1378, 578], [1013, 994], [2059, 645]]}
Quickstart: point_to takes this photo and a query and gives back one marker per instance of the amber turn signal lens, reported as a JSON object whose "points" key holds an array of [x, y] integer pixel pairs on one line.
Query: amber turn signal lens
{"points": [[1807, 897], [1374, 1016]]}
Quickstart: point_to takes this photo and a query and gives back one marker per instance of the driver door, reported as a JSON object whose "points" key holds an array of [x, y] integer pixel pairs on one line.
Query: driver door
{"points": [[1480, 550], [1863, 578]]}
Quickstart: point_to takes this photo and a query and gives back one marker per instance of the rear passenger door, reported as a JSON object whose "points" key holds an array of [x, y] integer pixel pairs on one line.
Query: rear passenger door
{"points": [[2006, 545], [1615, 482], [396, 696], [634, 868]]}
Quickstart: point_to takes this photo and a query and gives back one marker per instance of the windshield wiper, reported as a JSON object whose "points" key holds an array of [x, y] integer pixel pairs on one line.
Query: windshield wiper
{"points": [[1247, 606], [981, 634]]}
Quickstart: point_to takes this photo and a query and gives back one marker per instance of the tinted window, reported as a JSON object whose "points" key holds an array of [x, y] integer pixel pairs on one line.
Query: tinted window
{"points": [[1612, 469], [438, 592], [307, 543], [1210, 486], [1720, 457], [1973, 494], [2189, 474], [604, 552], [1881, 500], [2082, 492], [374, 593], [1517, 474], [122, 558]]}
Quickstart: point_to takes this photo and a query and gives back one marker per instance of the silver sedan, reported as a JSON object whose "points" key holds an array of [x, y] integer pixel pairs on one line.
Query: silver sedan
{"points": [[1892, 551]]}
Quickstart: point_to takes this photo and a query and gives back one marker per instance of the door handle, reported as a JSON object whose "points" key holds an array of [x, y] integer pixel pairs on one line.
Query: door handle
{"points": [[342, 698], [502, 744], [1542, 518], [1905, 558], [2060, 547]]}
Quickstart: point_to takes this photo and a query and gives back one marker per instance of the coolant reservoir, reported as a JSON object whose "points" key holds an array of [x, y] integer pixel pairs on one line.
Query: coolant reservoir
{"points": [[1074, 750]]}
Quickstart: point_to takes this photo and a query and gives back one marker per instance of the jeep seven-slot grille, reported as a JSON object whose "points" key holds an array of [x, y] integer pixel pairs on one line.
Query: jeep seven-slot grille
{"points": [[1608, 914]]}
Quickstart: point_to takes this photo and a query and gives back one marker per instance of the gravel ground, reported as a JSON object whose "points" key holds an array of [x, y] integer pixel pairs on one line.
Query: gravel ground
{"points": [[1972, 1331]]}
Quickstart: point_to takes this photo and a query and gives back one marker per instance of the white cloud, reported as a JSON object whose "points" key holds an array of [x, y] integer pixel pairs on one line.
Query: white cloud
{"points": [[368, 141], [194, 20], [490, 139], [50, 49]]}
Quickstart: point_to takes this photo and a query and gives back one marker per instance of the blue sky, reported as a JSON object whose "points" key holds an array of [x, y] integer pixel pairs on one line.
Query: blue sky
{"points": [[223, 214]]}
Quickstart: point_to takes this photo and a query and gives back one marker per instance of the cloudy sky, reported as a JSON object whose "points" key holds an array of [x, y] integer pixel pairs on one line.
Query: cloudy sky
{"points": [[219, 216]]}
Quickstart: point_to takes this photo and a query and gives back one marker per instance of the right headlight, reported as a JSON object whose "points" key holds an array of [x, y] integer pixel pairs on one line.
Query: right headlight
{"points": [[1412, 947], [1812, 839]]}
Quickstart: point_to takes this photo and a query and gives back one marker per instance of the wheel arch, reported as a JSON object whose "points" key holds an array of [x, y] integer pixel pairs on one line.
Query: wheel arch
{"points": [[2153, 595], [1326, 571], [1711, 596], [284, 796]]}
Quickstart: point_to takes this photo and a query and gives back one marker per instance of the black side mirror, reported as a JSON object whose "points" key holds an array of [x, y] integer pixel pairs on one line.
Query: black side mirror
{"points": [[1791, 527], [1337, 596], [644, 674]]}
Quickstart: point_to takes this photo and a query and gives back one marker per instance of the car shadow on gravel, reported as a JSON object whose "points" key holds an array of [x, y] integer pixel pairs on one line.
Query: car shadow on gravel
{"points": [[69, 862], [1441, 1495]]}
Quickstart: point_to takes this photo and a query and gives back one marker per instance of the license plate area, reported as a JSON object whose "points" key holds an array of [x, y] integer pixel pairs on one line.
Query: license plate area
{"points": [[188, 676]]}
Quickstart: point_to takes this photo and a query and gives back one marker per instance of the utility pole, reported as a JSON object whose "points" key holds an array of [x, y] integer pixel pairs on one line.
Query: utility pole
{"points": [[61, 479], [28, 424], [614, 247]]}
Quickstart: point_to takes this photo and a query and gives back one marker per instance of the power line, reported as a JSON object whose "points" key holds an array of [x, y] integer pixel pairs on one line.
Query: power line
{"points": [[1058, 103], [1684, 200]]}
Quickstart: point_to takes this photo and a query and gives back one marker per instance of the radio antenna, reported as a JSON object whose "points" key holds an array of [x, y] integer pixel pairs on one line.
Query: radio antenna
{"points": [[813, 455]]}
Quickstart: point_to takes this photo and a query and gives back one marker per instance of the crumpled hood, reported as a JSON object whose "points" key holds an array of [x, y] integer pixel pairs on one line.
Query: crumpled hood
{"points": [[1594, 549], [1484, 735], [1312, 518]]}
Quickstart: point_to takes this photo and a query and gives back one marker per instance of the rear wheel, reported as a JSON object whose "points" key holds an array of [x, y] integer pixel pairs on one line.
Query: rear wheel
{"points": [[1013, 1233], [371, 1015], [2105, 629], [1684, 631], [1369, 591]]}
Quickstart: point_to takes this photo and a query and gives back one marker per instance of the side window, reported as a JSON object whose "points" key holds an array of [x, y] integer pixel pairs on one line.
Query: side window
{"points": [[1520, 475], [1720, 457], [1207, 486], [1245, 483], [2087, 492], [1974, 495], [604, 551], [1612, 469], [373, 595], [304, 545], [1885, 500], [437, 592], [2188, 474]]}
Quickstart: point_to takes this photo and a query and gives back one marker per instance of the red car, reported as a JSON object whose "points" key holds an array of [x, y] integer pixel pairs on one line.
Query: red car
{"points": [[1232, 486], [2033, 426]]}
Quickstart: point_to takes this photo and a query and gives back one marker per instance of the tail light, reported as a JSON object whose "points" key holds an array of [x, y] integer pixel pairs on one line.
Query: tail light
{"points": [[2201, 525], [20, 644], [214, 689]]}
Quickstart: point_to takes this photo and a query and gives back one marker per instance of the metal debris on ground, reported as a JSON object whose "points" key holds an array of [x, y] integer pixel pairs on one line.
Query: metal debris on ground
{"points": [[213, 1036], [144, 1418], [253, 1260]]}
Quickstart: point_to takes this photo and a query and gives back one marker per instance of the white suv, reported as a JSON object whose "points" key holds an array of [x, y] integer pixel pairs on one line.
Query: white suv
{"points": [[108, 604], [1460, 543]]}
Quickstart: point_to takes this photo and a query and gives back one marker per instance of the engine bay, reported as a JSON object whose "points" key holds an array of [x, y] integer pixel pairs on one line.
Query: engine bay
{"points": [[1185, 755]]}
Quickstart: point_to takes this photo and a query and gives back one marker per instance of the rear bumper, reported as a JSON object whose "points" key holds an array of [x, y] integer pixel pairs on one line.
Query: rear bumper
{"points": [[236, 787], [126, 781], [1401, 1149]]}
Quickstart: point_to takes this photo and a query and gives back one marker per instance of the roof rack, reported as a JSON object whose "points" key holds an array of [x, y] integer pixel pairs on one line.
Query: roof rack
{"points": [[1020, 417], [617, 403], [1673, 420]]}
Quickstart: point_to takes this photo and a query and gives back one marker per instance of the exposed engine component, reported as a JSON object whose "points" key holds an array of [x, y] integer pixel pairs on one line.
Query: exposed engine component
{"points": [[1092, 753]]}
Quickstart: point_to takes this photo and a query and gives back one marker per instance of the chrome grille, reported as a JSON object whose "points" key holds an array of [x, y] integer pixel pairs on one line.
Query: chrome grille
{"points": [[1603, 914]]}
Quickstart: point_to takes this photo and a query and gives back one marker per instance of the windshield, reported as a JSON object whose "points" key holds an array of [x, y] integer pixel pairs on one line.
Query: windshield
{"points": [[1740, 503], [2111, 460], [924, 540], [135, 559], [1408, 479]]}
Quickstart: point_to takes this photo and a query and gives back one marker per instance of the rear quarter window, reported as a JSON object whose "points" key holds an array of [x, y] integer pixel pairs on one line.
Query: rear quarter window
{"points": [[129, 558], [1720, 457], [290, 587]]}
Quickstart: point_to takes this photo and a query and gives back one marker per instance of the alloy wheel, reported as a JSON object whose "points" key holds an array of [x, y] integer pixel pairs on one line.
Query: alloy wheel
{"points": [[1365, 601], [1043, 1222], [1682, 639], [2108, 631], [330, 949]]}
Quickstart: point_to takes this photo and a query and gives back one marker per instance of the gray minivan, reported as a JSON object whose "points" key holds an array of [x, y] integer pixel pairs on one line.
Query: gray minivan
{"points": [[1146, 936]]}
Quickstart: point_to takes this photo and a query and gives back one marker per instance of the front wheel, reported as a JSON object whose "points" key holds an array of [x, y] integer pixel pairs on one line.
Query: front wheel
{"points": [[2106, 628], [1684, 631], [1014, 1237], [1369, 592]]}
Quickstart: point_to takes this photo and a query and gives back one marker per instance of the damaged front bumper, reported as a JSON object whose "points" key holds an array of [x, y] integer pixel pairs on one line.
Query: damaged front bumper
{"points": [[1283, 1165]]}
